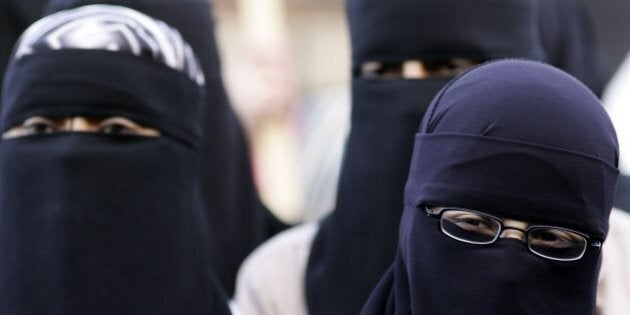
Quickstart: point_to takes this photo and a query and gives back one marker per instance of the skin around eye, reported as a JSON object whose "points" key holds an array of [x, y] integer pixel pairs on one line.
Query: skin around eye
{"points": [[416, 69], [123, 126], [448, 67], [555, 238], [36, 126], [381, 70], [471, 222], [114, 126]]}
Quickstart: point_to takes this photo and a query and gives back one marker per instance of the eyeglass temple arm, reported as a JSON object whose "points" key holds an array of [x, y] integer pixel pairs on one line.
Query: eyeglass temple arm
{"points": [[596, 243], [430, 212]]}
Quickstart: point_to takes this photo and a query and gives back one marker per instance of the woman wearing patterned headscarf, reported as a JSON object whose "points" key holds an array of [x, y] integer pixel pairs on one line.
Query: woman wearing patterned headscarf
{"points": [[239, 221], [99, 195]]}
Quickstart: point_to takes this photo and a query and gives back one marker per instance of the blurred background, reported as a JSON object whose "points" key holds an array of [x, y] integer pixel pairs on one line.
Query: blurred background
{"points": [[286, 69]]}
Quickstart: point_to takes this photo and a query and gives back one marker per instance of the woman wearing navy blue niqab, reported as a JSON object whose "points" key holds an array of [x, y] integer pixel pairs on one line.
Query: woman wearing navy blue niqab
{"points": [[108, 220], [532, 152]]}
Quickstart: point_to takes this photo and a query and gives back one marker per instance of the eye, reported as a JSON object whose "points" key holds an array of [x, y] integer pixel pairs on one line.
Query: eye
{"points": [[117, 129], [471, 222], [416, 69], [124, 126], [555, 238], [35, 126], [448, 67], [381, 70], [42, 126]]}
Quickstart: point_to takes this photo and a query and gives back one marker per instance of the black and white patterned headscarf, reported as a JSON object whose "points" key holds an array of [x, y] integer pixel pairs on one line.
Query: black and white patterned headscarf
{"points": [[113, 28]]}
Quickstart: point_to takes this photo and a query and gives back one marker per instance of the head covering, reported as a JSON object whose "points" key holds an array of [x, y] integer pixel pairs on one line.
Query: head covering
{"points": [[356, 243], [519, 140], [238, 220], [569, 39], [15, 17], [94, 223]]}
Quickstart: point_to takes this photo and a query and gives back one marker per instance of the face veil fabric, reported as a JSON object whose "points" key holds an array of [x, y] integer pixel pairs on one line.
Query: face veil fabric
{"points": [[96, 223], [238, 220], [357, 242], [515, 139]]}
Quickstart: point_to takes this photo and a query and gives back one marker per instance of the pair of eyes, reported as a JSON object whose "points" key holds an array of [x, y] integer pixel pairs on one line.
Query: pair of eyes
{"points": [[416, 69], [113, 125], [544, 237]]}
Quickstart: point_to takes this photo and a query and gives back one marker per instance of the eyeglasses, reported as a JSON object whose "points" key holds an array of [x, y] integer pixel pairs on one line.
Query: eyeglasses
{"points": [[474, 227]]}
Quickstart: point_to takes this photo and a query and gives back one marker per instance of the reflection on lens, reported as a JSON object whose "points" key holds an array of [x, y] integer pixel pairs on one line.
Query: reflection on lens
{"points": [[470, 227], [557, 243]]}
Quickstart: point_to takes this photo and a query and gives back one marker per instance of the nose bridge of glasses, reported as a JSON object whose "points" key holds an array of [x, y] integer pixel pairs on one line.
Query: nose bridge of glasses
{"points": [[510, 232], [514, 229]]}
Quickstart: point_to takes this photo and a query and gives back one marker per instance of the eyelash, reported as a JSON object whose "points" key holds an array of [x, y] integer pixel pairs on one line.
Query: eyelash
{"points": [[39, 126], [118, 126]]}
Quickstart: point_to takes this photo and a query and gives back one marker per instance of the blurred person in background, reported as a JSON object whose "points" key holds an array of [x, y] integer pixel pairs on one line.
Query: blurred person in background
{"points": [[508, 198], [291, 96], [238, 220], [610, 18], [101, 205], [263, 86], [571, 43]]}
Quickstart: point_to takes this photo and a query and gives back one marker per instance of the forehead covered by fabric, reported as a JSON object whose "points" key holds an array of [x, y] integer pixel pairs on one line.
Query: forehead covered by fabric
{"points": [[102, 71], [518, 139], [433, 29]]}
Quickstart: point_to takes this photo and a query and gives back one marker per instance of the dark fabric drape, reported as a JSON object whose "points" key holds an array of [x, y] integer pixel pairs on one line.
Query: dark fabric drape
{"points": [[15, 17], [611, 22], [237, 218], [571, 42]]}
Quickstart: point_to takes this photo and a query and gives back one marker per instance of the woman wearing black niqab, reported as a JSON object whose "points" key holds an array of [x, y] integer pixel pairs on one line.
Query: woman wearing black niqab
{"points": [[239, 221], [108, 221], [522, 142]]}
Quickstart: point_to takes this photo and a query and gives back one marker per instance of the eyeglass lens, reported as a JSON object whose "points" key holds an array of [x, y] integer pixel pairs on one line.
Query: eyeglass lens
{"points": [[476, 228], [556, 243]]}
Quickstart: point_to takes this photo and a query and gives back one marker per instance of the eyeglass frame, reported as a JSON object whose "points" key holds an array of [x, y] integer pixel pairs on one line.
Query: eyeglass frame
{"points": [[438, 216]]}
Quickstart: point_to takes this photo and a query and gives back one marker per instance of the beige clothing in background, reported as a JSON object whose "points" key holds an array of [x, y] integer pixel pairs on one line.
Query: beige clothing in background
{"points": [[271, 280], [613, 292]]}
